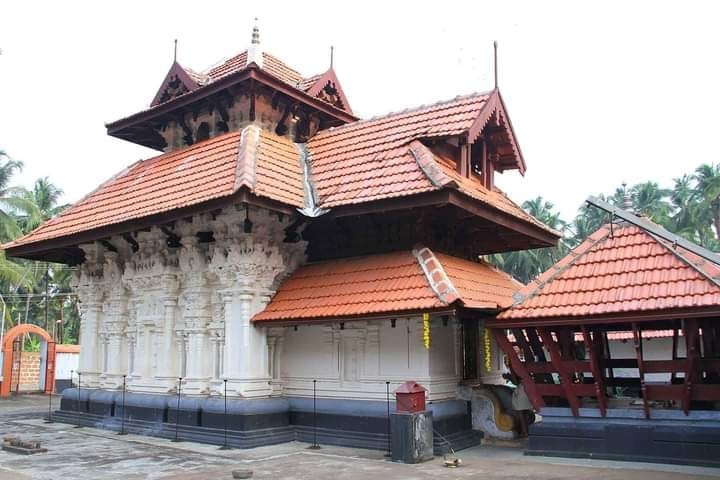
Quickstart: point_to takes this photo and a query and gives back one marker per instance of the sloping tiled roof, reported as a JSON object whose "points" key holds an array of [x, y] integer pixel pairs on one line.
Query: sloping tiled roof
{"points": [[263, 162], [386, 283], [621, 269], [371, 159], [271, 64]]}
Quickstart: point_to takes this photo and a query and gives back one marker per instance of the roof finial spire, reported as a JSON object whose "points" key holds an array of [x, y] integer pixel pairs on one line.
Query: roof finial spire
{"points": [[495, 63], [255, 33], [627, 203], [254, 54], [175, 51], [332, 54]]}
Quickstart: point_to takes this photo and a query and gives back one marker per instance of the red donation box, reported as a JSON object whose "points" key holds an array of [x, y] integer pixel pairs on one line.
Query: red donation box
{"points": [[410, 397]]}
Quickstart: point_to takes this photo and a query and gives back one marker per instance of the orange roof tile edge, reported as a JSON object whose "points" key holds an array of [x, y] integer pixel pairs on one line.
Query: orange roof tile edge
{"points": [[373, 285], [632, 271]]}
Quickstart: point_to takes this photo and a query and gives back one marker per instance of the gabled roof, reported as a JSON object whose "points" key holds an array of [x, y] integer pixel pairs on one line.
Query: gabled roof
{"points": [[193, 80], [393, 283], [382, 157], [620, 271], [366, 161], [257, 160]]}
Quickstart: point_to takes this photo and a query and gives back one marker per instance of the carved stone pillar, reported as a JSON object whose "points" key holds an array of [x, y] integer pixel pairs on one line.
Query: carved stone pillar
{"points": [[89, 287], [197, 315], [168, 368]]}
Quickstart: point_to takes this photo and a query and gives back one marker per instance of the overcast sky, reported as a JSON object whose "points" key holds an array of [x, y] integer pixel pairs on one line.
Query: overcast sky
{"points": [[598, 93]]}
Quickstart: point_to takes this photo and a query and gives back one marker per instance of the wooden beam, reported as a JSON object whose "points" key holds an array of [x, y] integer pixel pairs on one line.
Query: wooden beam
{"points": [[527, 381], [558, 363], [598, 378], [637, 340]]}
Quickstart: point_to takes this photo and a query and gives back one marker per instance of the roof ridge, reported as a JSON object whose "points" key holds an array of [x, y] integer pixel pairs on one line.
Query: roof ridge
{"points": [[407, 110], [431, 267], [428, 165], [561, 266], [247, 157]]}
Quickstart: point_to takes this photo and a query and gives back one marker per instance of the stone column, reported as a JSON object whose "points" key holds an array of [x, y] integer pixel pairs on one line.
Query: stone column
{"points": [[168, 368], [197, 314], [90, 315]]}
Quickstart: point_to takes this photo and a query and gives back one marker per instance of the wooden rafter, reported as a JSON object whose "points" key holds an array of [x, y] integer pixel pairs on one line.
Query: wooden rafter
{"points": [[637, 340], [519, 368], [559, 365]]}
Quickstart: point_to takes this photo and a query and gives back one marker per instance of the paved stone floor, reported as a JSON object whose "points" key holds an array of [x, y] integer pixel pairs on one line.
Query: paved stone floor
{"points": [[88, 453]]}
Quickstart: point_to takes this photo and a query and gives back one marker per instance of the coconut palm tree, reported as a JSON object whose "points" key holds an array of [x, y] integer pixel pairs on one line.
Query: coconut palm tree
{"points": [[12, 199], [652, 201], [708, 186], [527, 264]]}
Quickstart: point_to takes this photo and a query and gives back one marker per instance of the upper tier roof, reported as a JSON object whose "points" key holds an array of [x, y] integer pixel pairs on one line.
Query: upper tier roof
{"points": [[619, 272], [366, 161], [270, 64], [393, 283]]}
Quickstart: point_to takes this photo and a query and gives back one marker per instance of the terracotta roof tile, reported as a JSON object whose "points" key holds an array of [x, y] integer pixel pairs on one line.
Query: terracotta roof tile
{"points": [[271, 64], [620, 270], [371, 159], [202, 172], [378, 284]]}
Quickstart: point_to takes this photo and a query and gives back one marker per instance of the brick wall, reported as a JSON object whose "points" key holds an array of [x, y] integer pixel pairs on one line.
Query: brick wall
{"points": [[29, 372]]}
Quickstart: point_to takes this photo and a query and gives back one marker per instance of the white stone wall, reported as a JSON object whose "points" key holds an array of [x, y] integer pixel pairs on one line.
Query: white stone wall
{"points": [[354, 360], [653, 349]]}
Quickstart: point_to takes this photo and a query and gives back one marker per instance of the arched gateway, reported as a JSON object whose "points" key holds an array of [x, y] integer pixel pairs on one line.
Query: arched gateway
{"points": [[10, 353]]}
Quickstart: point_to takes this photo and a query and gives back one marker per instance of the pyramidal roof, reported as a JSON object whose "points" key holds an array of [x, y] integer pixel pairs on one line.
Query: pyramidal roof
{"points": [[623, 271]]}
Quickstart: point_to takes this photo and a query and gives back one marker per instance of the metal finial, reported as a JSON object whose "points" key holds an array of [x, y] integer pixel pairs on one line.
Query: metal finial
{"points": [[496, 63], [255, 33], [332, 54], [627, 203], [175, 51]]}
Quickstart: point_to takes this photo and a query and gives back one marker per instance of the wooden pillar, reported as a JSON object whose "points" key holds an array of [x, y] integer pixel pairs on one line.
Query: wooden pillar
{"points": [[598, 377], [674, 357], [519, 368], [691, 342], [637, 340], [558, 365], [463, 165]]}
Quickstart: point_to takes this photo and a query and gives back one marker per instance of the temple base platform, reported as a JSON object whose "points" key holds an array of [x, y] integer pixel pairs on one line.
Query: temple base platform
{"points": [[258, 422], [669, 436]]}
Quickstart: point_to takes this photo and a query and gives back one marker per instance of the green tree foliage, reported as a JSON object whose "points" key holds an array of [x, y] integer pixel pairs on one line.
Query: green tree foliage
{"points": [[23, 284]]}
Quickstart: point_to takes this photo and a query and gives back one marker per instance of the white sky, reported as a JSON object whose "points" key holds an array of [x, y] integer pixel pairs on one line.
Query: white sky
{"points": [[598, 92]]}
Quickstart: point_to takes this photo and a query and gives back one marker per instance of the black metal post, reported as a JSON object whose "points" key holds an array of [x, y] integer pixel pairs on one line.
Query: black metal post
{"points": [[49, 417], [122, 421], [314, 445], [225, 425], [387, 398], [177, 411], [78, 402]]}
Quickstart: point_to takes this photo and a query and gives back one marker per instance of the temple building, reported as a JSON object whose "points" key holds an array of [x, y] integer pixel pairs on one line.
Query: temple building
{"points": [[630, 280], [279, 247]]}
